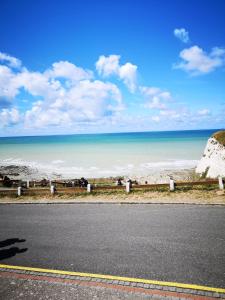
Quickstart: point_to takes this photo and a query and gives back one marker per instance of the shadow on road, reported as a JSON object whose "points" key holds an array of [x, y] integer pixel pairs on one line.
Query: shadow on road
{"points": [[10, 242], [7, 253]]}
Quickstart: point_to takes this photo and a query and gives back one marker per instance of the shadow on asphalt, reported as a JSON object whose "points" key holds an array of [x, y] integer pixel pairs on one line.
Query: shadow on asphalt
{"points": [[10, 242], [7, 253]]}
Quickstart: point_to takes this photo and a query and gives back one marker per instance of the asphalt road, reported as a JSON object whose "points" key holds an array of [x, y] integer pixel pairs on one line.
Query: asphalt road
{"points": [[159, 242]]}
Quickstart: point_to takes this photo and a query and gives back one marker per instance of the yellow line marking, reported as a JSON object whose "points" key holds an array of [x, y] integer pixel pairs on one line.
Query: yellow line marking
{"points": [[111, 277]]}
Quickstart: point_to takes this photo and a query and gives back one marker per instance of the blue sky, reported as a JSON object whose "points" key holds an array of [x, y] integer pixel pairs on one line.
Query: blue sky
{"points": [[111, 66]]}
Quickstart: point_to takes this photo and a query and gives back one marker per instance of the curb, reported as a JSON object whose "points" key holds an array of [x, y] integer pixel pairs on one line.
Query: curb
{"points": [[119, 203], [153, 287]]}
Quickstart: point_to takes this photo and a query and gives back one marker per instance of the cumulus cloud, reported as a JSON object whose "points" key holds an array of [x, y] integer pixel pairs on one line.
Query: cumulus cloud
{"points": [[9, 117], [196, 61], [87, 101], [182, 34], [110, 65], [127, 73], [156, 98], [38, 84], [64, 95], [65, 69], [10, 60], [67, 97], [9, 86]]}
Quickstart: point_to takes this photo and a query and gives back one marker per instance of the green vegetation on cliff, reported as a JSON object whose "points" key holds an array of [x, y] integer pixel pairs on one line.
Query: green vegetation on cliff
{"points": [[220, 137]]}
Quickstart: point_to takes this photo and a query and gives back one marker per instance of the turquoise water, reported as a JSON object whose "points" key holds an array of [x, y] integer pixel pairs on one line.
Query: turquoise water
{"points": [[96, 155]]}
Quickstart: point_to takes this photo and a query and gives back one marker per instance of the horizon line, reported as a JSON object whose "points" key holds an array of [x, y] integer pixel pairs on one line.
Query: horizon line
{"points": [[109, 133]]}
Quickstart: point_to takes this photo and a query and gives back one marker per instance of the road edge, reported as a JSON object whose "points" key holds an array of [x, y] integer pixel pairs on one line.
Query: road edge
{"points": [[111, 279]]}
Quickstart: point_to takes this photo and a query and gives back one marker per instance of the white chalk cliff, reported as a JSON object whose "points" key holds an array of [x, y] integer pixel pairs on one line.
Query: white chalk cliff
{"points": [[212, 163]]}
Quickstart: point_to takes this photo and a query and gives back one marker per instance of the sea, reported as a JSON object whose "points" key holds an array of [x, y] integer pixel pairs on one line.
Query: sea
{"points": [[106, 155]]}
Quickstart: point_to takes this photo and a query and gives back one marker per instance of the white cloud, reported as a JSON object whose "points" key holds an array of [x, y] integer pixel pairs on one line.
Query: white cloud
{"points": [[204, 112], [66, 98], [9, 87], [156, 98], [182, 34], [196, 61], [109, 65], [64, 95], [38, 84], [173, 114], [41, 116], [156, 118], [182, 115], [156, 103], [65, 69], [10, 60], [9, 117], [128, 74], [87, 101]]}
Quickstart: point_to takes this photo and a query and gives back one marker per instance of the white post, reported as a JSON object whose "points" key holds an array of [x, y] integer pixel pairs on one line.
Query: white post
{"points": [[50, 183], [34, 183], [52, 189], [221, 185], [172, 186], [73, 183], [89, 187], [19, 191], [128, 186], [28, 184]]}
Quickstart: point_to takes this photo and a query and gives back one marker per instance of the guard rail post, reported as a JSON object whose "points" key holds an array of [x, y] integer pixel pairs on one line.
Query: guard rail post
{"points": [[221, 185], [172, 185], [89, 188], [19, 191], [128, 186]]}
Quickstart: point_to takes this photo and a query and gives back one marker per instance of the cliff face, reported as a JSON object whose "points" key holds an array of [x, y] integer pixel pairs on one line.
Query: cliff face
{"points": [[212, 163]]}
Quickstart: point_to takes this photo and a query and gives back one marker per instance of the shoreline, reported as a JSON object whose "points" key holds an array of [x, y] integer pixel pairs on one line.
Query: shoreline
{"points": [[23, 172]]}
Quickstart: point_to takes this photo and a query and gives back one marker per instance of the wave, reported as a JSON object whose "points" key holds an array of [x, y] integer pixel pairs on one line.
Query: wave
{"points": [[171, 164]]}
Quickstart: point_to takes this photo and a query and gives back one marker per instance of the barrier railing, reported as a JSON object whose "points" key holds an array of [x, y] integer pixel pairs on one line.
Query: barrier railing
{"points": [[58, 187]]}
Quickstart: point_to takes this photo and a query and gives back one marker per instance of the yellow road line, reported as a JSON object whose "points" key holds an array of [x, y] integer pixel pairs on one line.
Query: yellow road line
{"points": [[111, 277]]}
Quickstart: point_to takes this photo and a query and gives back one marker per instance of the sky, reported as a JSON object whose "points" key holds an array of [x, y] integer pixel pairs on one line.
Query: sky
{"points": [[71, 67]]}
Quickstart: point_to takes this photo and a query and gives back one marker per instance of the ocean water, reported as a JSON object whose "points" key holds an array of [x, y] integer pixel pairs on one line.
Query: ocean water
{"points": [[104, 155]]}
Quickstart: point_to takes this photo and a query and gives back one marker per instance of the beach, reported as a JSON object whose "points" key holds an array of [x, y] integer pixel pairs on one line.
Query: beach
{"points": [[143, 156]]}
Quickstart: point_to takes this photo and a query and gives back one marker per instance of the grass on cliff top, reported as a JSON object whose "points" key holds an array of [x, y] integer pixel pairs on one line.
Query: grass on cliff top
{"points": [[220, 137]]}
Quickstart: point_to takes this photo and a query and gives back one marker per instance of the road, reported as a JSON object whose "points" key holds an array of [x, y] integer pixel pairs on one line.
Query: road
{"points": [[178, 243]]}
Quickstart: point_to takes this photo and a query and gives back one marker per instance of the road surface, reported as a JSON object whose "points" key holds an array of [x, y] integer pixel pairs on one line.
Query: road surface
{"points": [[178, 243]]}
